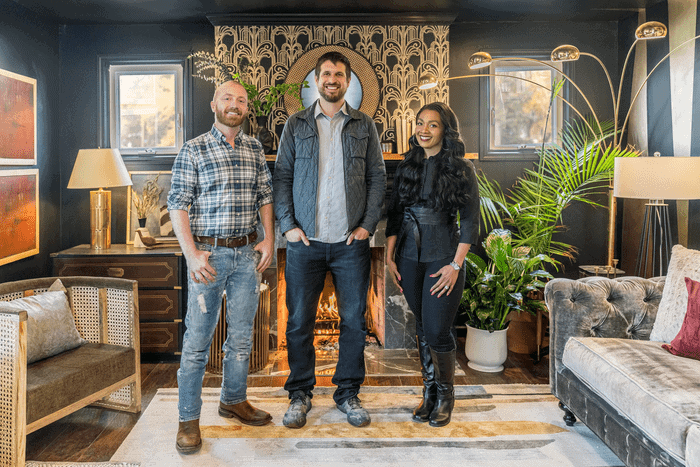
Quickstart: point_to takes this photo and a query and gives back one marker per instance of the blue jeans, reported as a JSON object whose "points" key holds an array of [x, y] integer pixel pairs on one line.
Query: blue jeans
{"points": [[305, 274], [235, 274]]}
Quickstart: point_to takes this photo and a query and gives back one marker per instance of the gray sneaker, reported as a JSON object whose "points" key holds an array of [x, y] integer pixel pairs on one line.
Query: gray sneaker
{"points": [[357, 416], [296, 413]]}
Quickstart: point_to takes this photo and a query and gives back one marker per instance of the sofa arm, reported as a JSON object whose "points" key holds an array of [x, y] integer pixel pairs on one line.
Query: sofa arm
{"points": [[623, 307]]}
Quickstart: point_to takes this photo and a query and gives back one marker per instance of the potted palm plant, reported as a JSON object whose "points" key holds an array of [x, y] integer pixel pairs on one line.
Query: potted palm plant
{"points": [[494, 288]]}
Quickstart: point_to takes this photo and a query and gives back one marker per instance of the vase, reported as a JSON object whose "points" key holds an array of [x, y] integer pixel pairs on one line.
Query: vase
{"points": [[262, 134], [486, 351], [142, 222]]}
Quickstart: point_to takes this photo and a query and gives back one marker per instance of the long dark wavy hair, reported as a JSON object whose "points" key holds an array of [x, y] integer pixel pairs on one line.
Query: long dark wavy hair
{"points": [[451, 185]]}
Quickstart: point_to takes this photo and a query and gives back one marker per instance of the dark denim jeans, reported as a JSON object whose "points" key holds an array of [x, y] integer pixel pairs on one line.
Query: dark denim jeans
{"points": [[305, 274]]}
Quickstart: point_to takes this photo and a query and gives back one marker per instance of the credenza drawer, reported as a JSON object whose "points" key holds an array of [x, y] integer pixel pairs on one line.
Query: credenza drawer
{"points": [[149, 272], [159, 305], [160, 337]]}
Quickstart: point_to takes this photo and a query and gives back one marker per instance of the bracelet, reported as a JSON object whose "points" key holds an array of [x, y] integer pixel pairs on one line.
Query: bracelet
{"points": [[455, 266]]}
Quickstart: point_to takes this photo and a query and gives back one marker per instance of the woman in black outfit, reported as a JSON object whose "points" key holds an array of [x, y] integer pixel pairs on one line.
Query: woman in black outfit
{"points": [[426, 246]]}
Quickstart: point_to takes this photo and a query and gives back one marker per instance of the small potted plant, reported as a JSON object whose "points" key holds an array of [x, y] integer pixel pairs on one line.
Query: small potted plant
{"points": [[148, 200], [493, 289]]}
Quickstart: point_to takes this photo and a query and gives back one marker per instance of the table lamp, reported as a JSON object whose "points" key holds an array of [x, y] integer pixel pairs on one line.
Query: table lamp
{"points": [[99, 168], [656, 179]]}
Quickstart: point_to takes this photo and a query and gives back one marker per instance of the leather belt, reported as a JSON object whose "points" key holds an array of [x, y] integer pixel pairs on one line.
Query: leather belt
{"points": [[229, 242], [414, 216]]}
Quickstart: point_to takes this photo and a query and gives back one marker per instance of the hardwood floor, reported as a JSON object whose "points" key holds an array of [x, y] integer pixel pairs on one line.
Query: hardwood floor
{"points": [[94, 434]]}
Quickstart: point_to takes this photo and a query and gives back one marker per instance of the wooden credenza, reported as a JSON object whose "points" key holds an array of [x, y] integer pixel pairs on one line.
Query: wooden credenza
{"points": [[161, 274]]}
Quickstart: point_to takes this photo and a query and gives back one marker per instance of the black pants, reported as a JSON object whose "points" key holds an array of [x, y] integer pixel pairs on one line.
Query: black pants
{"points": [[434, 316]]}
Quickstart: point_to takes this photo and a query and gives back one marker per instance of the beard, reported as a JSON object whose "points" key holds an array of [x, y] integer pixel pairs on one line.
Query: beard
{"points": [[229, 120], [331, 98]]}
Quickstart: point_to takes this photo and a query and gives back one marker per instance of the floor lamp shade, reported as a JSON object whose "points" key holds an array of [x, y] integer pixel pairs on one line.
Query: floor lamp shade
{"points": [[656, 179], [99, 168]]}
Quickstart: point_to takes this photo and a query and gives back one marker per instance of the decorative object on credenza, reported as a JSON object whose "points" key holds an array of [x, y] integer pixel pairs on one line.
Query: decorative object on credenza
{"points": [[148, 196], [144, 204], [99, 168], [17, 119], [656, 179], [19, 211]]}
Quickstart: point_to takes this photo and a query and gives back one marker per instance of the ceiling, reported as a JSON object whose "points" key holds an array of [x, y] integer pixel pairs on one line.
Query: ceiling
{"points": [[167, 11]]}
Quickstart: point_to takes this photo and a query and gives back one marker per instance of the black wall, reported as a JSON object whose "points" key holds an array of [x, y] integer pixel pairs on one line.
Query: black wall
{"points": [[587, 227], [29, 47], [69, 105], [80, 50]]}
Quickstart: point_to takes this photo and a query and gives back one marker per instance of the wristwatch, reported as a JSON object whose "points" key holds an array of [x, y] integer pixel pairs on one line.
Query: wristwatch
{"points": [[455, 265]]}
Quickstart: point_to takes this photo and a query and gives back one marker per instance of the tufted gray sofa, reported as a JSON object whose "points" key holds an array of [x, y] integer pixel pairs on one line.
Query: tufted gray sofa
{"points": [[641, 400]]}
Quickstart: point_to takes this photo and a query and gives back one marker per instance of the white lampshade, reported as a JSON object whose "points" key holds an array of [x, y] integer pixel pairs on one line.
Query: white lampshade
{"points": [[657, 177], [99, 168]]}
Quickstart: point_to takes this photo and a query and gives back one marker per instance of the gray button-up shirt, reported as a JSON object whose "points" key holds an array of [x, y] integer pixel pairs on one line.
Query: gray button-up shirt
{"points": [[331, 208]]}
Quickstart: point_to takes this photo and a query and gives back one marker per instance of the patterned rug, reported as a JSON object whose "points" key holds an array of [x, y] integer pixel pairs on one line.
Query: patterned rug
{"points": [[504, 425]]}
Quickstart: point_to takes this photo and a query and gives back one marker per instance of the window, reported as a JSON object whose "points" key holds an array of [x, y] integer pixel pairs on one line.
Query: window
{"points": [[144, 110], [514, 117]]}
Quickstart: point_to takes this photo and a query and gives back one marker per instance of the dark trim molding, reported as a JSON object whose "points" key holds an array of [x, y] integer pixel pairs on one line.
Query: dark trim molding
{"points": [[331, 18]]}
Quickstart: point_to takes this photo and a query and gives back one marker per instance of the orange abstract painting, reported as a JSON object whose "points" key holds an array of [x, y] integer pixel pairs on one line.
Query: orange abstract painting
{"points": [[19, 214], [17, 119]]}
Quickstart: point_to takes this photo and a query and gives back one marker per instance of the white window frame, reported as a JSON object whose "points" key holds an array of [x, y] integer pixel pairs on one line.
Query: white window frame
{"points": [[115, 71], [559, 114]]}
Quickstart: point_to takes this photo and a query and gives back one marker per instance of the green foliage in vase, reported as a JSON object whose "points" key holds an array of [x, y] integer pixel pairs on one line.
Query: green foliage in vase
{"points": [[501, 284], [578, 169]]}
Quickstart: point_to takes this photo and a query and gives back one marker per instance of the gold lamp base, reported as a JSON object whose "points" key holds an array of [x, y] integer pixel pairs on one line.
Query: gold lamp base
{"points": [[100, 219]]}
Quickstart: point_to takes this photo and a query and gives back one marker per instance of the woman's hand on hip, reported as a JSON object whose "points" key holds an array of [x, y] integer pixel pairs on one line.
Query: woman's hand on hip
{"points": [[446, 282], [394, 273]]}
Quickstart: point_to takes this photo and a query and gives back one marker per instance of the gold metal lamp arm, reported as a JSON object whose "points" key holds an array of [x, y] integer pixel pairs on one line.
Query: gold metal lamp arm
{"points": [[641, 86], [531, 82]]}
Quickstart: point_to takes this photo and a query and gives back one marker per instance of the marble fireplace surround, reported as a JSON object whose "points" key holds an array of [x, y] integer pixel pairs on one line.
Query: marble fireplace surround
{"points": [[388, 315]]}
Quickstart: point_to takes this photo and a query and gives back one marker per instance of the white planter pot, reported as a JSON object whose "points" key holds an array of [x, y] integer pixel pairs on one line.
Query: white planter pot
{"points": [[486, 351]]}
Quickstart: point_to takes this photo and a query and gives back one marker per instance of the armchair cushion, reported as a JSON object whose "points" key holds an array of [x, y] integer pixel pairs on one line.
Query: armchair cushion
{"points": [[674, 301], [73, 375], [50, 324], [656, 390]]}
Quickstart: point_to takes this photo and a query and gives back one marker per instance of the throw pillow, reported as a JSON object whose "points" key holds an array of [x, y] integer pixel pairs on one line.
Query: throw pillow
{"points": [[687, 342], [50, 324], [674, 300]]}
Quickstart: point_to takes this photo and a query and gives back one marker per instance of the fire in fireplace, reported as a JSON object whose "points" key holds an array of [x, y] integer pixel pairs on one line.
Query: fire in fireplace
{"points": [[327, 326]]}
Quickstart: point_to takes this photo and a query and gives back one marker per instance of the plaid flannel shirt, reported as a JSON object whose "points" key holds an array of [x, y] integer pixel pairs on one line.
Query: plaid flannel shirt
{"points": [[222, 187]]}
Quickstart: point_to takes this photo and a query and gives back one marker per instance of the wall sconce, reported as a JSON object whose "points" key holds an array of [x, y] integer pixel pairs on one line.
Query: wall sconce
{"points": [[99, 168]]}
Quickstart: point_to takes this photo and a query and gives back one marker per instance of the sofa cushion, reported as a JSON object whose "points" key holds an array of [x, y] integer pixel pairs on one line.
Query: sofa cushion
{"points": [[73, 375], [656, 390], [674, 301], [687, 342], [50, 324]]}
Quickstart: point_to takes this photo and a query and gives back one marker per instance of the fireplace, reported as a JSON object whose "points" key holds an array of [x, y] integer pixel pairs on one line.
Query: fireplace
{"points": [[327, 326]]}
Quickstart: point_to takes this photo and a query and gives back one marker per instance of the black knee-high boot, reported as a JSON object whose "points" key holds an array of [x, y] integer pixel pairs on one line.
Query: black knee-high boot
{"points": [[444, 364], [422, 412]]}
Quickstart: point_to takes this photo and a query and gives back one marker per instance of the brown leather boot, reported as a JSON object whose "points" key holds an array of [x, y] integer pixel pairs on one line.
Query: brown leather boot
{"points": [[189, 439], [245, 413]]}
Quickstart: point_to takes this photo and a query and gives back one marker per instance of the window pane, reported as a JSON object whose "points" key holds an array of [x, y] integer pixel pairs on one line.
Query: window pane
{"points": [[520, 108], [147, 110]]}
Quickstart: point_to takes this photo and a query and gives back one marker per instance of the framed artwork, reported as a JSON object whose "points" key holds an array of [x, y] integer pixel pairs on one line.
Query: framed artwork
{"points": [[154, 187], [19, 210], [17, 119]]}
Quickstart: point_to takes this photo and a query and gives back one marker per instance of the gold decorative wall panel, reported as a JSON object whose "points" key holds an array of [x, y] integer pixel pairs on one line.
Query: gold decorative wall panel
{"points": [[394, 57]]}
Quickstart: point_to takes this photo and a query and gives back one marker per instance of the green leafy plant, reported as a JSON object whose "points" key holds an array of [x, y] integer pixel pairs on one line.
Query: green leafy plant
{"points": [[501, 284], [262, 104], [575, 170]]}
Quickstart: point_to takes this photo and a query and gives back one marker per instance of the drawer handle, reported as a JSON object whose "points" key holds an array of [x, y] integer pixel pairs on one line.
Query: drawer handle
{"points": [[115, 272]]}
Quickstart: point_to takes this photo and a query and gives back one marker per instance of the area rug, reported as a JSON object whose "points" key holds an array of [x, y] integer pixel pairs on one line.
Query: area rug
{"points": [[81, 464], [504, 425]]}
